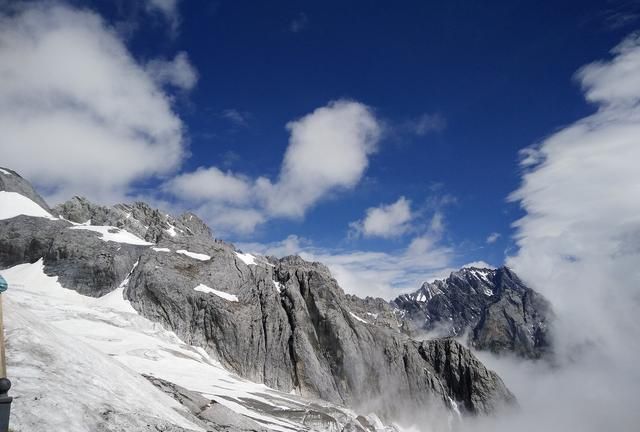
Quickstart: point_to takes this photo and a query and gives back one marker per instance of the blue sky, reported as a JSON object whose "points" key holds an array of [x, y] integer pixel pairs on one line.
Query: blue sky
{"points": [[456, 90]]}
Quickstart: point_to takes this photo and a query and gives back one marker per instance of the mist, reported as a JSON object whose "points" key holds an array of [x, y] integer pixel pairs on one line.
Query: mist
{"points": [[579, 245]]}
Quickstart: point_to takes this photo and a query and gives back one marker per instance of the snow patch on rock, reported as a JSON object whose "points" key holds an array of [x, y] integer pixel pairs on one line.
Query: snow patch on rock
{"points": [[109, 233], [194, 255], [222, 294], [13, 204]]}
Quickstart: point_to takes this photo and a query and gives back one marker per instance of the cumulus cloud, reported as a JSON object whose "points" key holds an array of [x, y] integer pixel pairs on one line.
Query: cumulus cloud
{"points": [[78, 114], [386, 220], [493, 237], [328, 151], [579, 246], [390, 220], [210, 184], [177, 72]]}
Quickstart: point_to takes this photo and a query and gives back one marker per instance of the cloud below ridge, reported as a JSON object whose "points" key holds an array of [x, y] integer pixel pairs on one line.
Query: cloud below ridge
{"points": [[579, 246]]}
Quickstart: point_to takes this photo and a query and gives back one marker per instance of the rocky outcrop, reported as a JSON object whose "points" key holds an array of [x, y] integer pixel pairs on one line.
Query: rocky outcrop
{"points": [[497, 310]]}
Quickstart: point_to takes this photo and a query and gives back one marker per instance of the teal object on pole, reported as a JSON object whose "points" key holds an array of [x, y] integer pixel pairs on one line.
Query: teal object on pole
{"points": [[3, 285]]}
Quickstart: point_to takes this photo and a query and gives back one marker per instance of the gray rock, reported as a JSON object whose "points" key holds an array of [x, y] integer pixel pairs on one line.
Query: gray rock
{"points": [[499, 312]]}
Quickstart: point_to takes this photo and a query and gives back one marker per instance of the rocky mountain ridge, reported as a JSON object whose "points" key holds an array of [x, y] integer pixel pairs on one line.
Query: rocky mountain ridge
{"points": [[493, 307], [282, 322]]}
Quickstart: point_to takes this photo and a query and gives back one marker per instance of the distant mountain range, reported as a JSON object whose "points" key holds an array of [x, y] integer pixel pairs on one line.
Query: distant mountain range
{"points": [[281, 322]]}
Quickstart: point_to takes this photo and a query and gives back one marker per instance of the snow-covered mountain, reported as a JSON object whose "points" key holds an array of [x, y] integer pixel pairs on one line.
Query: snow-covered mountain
{"points": [[243, 342]]}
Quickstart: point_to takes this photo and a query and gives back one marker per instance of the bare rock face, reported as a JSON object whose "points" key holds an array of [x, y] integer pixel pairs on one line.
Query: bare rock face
{"points": [[283, 322], [11, 181], [499, 312]]}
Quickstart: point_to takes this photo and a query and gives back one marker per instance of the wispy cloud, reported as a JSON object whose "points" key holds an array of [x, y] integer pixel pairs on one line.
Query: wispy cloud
{"points": [[168, 9], [299, 23], [426, 123], [177, 72], [236, 117], [493, 237]]}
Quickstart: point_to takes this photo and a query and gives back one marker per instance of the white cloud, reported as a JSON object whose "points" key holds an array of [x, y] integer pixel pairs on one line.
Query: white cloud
{"points": [[579, 244], [493, 237], [78, 115], [236, 117], [299, 23], [168, 9], [210, 184], [427, 123], [386, 220], [177, 72], [328, 151]]}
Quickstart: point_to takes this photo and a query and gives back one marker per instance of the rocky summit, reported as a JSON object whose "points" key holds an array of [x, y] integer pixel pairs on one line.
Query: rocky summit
{"points": [[492, 308], [282, 322]]}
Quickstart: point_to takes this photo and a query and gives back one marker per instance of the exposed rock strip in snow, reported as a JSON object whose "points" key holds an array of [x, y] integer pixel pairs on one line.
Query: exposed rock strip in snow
{"points": [[194, 255], [224, 295], [13, 204], [109, 233]]}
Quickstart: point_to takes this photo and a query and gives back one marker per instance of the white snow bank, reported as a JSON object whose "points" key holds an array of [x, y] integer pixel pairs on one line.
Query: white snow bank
{"points": [[171, 231], [5, 172], [279, 286], [224, 295], [157, 249], [247, 258], [13, 204], [109, 233], [358, 318], [194, 255]]}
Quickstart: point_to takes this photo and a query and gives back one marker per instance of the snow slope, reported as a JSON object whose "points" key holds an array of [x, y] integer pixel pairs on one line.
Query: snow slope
{"points": [[13, 204], [109, 233], [62, 384], [92, 341]]}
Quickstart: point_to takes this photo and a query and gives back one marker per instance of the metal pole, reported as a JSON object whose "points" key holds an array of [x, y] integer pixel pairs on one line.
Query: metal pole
{"points": [[3, 360], [5, 384]]}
